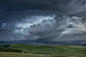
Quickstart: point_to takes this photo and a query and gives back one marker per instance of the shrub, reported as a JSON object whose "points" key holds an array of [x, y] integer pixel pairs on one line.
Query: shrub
{"points": [[10, 50], [6, 45]]}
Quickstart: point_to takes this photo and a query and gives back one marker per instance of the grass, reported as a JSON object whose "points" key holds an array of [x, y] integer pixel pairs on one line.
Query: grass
{"points": [[47, 51], [11, 54]]}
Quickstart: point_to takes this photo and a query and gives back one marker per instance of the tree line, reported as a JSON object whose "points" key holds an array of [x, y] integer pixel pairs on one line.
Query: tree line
{"points": [[5, 48]]}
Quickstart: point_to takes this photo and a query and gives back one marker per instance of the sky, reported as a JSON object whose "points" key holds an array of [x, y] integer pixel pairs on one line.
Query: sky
{"points": [[42, 20]]}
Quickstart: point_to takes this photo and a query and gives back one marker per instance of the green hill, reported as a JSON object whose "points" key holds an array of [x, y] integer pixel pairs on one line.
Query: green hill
{"points": [[49, 51]]}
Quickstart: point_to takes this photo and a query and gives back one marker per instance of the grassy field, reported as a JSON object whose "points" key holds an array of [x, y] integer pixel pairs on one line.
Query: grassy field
{"points": [[11, 54], [46, 51]]}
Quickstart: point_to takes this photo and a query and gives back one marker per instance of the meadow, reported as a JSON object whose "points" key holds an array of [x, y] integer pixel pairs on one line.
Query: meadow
{"points": [[45, 51]]}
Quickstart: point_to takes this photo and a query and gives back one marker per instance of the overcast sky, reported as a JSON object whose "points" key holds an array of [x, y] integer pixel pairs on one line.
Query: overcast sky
{"points": [[31, 20]]}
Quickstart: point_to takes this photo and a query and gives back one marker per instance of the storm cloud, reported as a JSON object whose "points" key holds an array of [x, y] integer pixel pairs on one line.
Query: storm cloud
{"points": [[32, 20], [63, 6]]}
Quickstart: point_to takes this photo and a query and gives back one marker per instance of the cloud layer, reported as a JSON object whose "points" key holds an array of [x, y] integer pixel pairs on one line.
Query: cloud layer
{"points": [[31, 20]]}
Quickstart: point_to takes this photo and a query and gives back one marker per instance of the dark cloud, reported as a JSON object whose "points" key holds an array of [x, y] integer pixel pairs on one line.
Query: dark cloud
{"points": [[72, 7], [31, 20]]}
